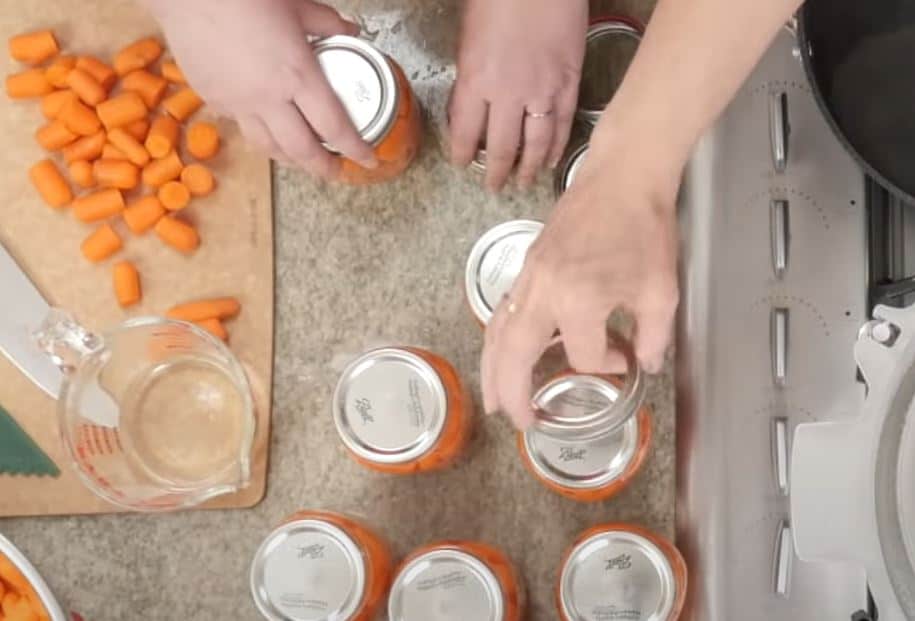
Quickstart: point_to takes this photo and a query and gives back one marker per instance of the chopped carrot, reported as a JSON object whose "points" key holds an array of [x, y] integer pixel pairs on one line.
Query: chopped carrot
{"points": [[11, 575], [214, 327], [57, 71], [79, 117], [163, 136], [202, 140], [182, 104], [54, 136], [99, 70], [130, 146], [172, 72], [137, 55], [101, 244], [50, 183], [126, 284], [148, 86], [119, 174], [86, 148], [142, 215], [138, 129], [27, 84], [198, 179], [121, 110], [174, 195], [178, 234], [33, 47], [2, 589], [81, 173], [201, 310], [53, 103], [86, 87], [111, 152], [162, 170], [99, 205]]}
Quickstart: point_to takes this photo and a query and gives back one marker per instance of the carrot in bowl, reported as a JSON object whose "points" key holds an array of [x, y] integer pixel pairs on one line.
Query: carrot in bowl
{"points": [[148, 86], [126, 284], [201, 310], [202, 140], [119, 174], [79, 117], [111, 152], [179, 235], [174, 195], [85, 148], [53, 103], [57, 71], [138, 55], [99, 70], [162, 137], [101, 244], [214, 327], [27, 84], [81, 173], [172, 72], [182, 104], [99, 205], [50, 183], [163, 170], [121, 110], [129, 146], [33, 47], [86, 87], [198, 179], [142, 214], [54, 136], [138, 129]]}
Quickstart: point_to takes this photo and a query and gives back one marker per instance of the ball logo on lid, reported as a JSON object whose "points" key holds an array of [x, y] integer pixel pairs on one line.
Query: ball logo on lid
{"points": [[313, 551], [572, 453], [364, 407], [623, 561]]}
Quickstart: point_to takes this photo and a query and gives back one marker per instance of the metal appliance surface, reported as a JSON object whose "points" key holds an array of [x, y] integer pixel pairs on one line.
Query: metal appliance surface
{"points": [[774, 286]]}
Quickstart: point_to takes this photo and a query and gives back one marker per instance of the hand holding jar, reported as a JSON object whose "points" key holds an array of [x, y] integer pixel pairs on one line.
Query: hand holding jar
{"points": [[519, 63], [252, 60]]}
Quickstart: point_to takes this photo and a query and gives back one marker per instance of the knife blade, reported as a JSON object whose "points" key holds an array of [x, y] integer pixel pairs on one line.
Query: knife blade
{"points": [[23, 310]]}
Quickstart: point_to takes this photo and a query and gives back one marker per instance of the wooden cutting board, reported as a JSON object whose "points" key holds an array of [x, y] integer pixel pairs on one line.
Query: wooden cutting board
{"points": [[235, 257]]}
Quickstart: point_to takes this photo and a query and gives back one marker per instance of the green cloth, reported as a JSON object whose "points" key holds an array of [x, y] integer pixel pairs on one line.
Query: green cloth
{"points": [[18, 452]]}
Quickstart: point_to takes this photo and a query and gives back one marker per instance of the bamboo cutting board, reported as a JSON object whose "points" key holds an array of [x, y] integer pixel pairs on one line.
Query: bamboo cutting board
{"points": [[235, 257]]}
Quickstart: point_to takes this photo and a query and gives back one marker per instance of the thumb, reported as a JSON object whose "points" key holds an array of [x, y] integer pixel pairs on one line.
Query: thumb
{"points": [[323, 21], [654, 329]]}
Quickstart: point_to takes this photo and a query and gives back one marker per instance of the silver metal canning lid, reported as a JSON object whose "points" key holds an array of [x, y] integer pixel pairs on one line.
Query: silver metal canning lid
{"points": [[583, 465], [570, 167], [390, 406], [308, 570], [446, 585], [591, 110], [617, 575], [494, 262], [363, 79]]}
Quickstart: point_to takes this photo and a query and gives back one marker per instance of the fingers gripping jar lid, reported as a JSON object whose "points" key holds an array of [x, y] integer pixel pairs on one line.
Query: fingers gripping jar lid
{"points": [[494, 263]]}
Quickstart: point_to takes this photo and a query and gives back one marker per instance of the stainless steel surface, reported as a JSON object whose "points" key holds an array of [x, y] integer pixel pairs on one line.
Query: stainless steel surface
{"points": [[779, 129], [728, 511], [617, 574], [24, 309], [784, 559], [308, 570], [778, 327], [780, 236], [780, 454], [390, 406], [446, 585]]}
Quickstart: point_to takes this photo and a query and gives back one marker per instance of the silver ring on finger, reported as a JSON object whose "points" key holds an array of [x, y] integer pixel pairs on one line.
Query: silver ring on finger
{"points": [[510, 307], [537, 115]]}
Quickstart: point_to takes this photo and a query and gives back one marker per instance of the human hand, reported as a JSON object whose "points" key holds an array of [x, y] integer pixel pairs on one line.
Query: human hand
{"points": [[252, 60], [518, 68], [611, 242]]}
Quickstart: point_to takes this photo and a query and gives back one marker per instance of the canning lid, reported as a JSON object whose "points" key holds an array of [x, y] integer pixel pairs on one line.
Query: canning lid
{"points": [[583, 465], [390, 406], [569, 168], [308, 570], [494, 263], [610, 45], [363, 79], [617, 574], [446, 585]]}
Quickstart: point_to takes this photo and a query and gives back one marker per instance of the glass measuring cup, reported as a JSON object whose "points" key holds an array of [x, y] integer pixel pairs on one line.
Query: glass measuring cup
{"points": [[155, 414]]}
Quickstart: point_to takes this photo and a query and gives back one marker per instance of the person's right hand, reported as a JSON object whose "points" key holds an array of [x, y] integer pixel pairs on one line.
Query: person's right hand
{"points": [[252, 60]]}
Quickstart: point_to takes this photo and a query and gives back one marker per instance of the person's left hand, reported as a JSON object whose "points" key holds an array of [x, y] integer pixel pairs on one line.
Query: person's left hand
{"points": [[519, 64]]}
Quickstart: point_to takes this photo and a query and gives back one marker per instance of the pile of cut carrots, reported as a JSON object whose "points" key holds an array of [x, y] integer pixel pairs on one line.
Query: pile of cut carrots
{"points": [[18, 600], [113, 134]]}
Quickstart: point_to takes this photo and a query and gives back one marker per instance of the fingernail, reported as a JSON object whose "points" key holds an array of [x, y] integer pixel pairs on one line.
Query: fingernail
{"points": [[554, 163], [371, 163]]}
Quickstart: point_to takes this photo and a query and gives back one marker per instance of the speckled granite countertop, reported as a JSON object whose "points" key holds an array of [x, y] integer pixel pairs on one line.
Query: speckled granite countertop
{"points": [[358, 267]]}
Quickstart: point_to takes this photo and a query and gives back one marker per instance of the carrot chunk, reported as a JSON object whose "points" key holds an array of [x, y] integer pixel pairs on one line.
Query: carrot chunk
{"points": [[79, 117], [148, 86], [86, 87], [163, 170], [182, 104], [33, 47], [142, 215], [179, 235], [28, 84], [99, 205], [162, 137], [202, 140], [126, 283], [101, 244], [81, 173], [53, 103], [130, 146], [85, 148], [50, 183], [174, 195], [121, 110], [57, 71], [137, 55], [54, 136], [201, 310], [104, 74], [198, 179], [172, 72], [119, 174]]}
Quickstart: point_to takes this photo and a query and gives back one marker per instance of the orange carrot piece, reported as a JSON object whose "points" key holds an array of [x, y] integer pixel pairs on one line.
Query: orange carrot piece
{"points": [[81, 173], [182, 104], [33, 47], [121, 110], [99, 205], [79, 117], [130, 146], [54, 136], [57, 71], [198, 179], [162, 170], [148, 86], [104, 74], [101, 244], [111, 152], [126, 284], [163, 136], [201, 310], [28, 84], [137, 55], [53, 104], [119, 174], [178, 234], [142, 215], [172, 72], [50, 183], [18, 609], [138, 129], [202, 140], [214, 327], [86, 87], [86, 148], [174, 195]]}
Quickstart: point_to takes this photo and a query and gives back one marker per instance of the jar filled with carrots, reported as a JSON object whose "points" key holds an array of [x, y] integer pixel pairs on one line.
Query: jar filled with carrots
{"points": [[379, 100]]}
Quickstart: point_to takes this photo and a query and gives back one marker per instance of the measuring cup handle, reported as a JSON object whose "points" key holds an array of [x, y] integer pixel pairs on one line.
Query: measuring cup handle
{"points": [[65, 340]]}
